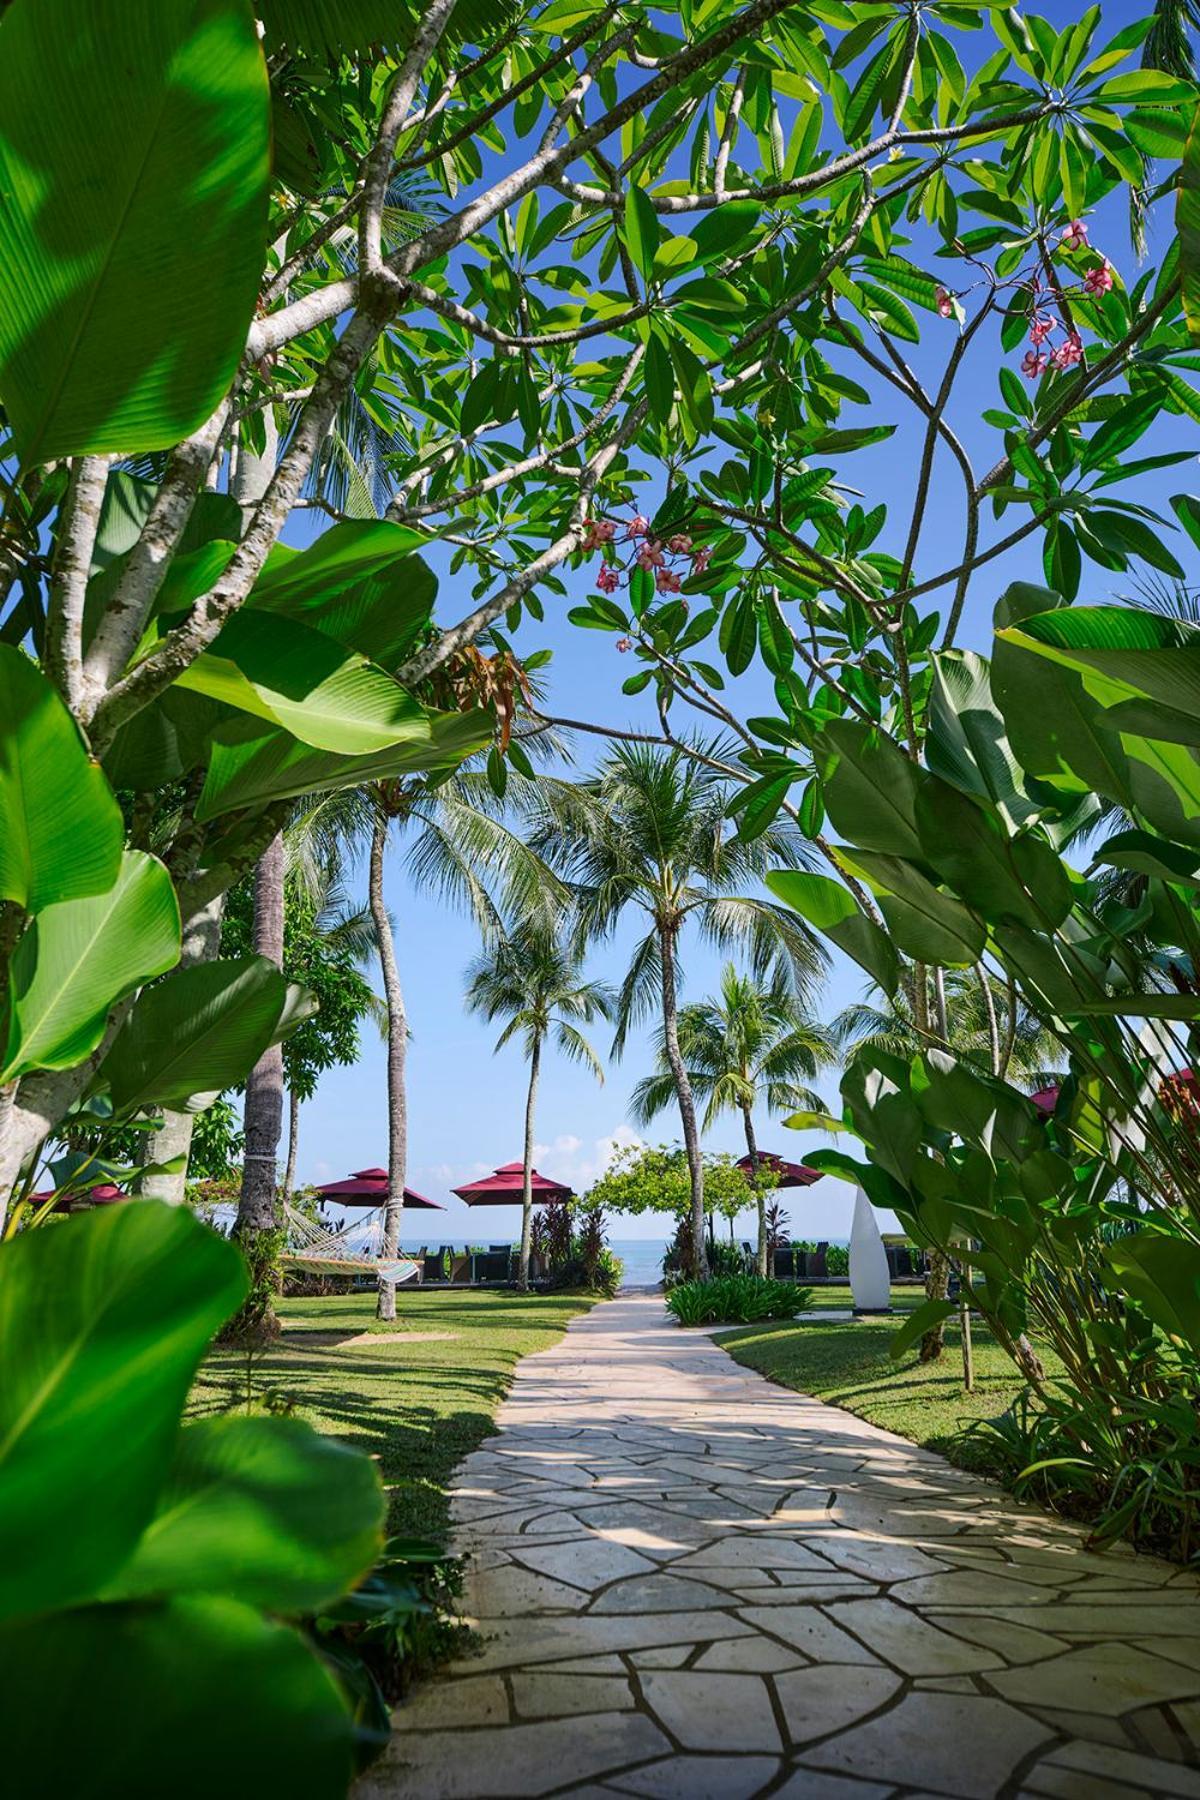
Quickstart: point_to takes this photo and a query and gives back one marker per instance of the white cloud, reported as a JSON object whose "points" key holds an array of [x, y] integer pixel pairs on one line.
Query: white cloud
{"points": [[568, 1159]]}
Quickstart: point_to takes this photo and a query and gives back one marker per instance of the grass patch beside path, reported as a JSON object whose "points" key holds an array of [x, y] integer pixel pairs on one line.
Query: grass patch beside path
{"points": [[418, 1405], [847, 1364]]}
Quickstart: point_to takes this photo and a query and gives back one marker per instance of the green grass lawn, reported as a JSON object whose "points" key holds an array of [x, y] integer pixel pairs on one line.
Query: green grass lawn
{"points": [[419, 1404], [847, 1364]]}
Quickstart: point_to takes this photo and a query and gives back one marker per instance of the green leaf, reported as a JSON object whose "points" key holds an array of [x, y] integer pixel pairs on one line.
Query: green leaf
{"points": [[252, 764], [642, 229], [1162, 1273], [103, 1321], [193, 1035], [76, 959], [924, 923], [1136, 651], [359, 583], [966, 742], [870, 788], [833, 910], [294, 676], [1020, 600], [660, 378], [262, 1508], [134, 152], [61, 830], [774, 638], [211, 1686], [1148, 855], [336, 28], [1139, 1006], [1188, 227], [980, 1109], [999, 874], [1156, 132], [1054, 725], [923, 1318]]}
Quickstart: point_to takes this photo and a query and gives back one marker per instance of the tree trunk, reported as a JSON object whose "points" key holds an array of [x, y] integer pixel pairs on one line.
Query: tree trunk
{"points": [[289, 1173], [201, 944], [683, 1089], [937, 1283], [397, 1094], [263, 1117], [759, 1195], [527, 1169]]}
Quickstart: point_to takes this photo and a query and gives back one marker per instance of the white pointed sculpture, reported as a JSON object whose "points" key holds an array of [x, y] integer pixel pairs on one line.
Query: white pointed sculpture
{"points": [[870, 1282]]}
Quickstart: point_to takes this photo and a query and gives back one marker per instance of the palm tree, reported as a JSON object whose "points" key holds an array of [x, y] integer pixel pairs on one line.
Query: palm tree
{"points": [[460, 848], [987, 1023], [648, 833], [753, 1041], [535, 980]]}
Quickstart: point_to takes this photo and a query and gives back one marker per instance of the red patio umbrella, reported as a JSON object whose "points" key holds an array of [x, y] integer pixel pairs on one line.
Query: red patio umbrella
{"points": [[790, 1174], [1183, 1082], [105, 1193], [505, 1185], [367, 1187]]}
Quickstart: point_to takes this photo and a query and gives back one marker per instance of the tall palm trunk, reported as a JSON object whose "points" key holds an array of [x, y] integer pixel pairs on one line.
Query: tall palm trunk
{"points": [[535, 1060], [683, 1089], [263, 1117], [759, 1195], [289, 1173], [393, 1214], [200, 944]]}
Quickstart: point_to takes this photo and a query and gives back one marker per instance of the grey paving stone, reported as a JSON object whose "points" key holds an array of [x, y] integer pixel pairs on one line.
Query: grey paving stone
{"points": [[959, 1745], [707, 1711]]}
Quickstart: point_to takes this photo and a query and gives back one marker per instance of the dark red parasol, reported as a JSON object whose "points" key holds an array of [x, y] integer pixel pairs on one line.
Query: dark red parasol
{"points": [[505, 1186], [367, 1187], [790, 1174]]}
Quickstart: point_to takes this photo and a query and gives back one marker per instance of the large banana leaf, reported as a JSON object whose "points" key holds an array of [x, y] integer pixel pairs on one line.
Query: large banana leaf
{"points": [[103, 1322], [194, 1034], [252, 766], [134, 169], [294, 676], [75, 960], [61, 830], [359, 583], [336, 28], [192, 1697], [925, 923], [262, 1508], [1056, 728], [833, 910], [870, 787], [1138, 653], [966, 742]]}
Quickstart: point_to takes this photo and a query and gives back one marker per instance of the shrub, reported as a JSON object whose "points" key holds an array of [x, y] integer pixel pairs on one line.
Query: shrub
{"points": [[735, 1299]]}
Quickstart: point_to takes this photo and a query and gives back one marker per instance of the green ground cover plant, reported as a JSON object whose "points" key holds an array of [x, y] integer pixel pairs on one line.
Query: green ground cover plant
{"points": [[734, 1299]]}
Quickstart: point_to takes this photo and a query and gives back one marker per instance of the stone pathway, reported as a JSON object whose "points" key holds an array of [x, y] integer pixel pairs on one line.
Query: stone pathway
{"points": [[693, 1585]]}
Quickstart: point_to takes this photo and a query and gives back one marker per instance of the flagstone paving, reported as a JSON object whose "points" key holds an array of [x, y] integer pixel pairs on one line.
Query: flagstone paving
{"points": [[693, 1585]]}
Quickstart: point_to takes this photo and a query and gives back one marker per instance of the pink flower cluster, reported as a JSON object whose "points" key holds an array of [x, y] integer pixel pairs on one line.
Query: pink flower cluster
{"points": [[667, 559], [1043, 324]]}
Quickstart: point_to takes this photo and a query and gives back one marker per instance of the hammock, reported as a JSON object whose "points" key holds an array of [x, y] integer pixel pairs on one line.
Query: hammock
{"points": [[311, 1246]]}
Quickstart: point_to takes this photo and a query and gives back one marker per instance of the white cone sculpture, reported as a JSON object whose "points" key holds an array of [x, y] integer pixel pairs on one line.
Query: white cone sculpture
{"points": [[870, 1282]]}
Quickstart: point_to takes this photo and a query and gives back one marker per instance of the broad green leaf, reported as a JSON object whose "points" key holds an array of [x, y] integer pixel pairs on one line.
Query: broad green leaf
{"points": [[1000, 874], [1020, 600], [923, 1318], [134, 154], [193, 1035], [1055, 727], [924, 923], [1163, 1275], [360, 583], [103, 1321], [292, 675], [980, 1109], [876, 1089], [76, 959], [966, 742], [266, 1509], [1140, 1006], [834, 911], [1148, 855], [1141, 652], [61, 830], [194, 1697], [870, 788], [335, 28], [251, 765], [881, 1189]]}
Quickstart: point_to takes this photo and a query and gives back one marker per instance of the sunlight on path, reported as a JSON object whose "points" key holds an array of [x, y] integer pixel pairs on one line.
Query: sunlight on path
{"points": [[693, 1584]]}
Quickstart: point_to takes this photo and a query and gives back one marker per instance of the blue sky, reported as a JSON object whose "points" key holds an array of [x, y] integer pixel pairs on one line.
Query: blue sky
{"points": [[466, 1104]]}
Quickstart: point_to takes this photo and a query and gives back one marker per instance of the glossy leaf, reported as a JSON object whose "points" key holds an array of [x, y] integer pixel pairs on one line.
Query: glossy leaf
{"points": [[61, 831], [195, 1697], [870, 788], [193, 1035], [361, 583], [1163, 1275], [834, 911], [921, 1319], [925, 923], [134, 151], [74, 961], [103, 1321], [266, 1509]]}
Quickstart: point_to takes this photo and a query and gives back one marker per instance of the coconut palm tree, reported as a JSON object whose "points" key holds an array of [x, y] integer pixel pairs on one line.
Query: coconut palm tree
{"points": [[649, 834], [752, 1042], [458, 846], [986, 1024], [535, 981]]}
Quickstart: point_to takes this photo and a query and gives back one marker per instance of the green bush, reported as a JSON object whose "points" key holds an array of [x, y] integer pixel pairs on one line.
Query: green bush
{"points": [[735, 1300]]}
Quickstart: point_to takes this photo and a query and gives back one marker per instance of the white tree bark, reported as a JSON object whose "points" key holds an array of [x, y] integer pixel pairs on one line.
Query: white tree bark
{"points": [[393, 993]]}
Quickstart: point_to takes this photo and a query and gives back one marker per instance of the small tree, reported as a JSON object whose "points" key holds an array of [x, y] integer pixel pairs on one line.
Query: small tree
{"points": [[535, 981], [645, 1178]]}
